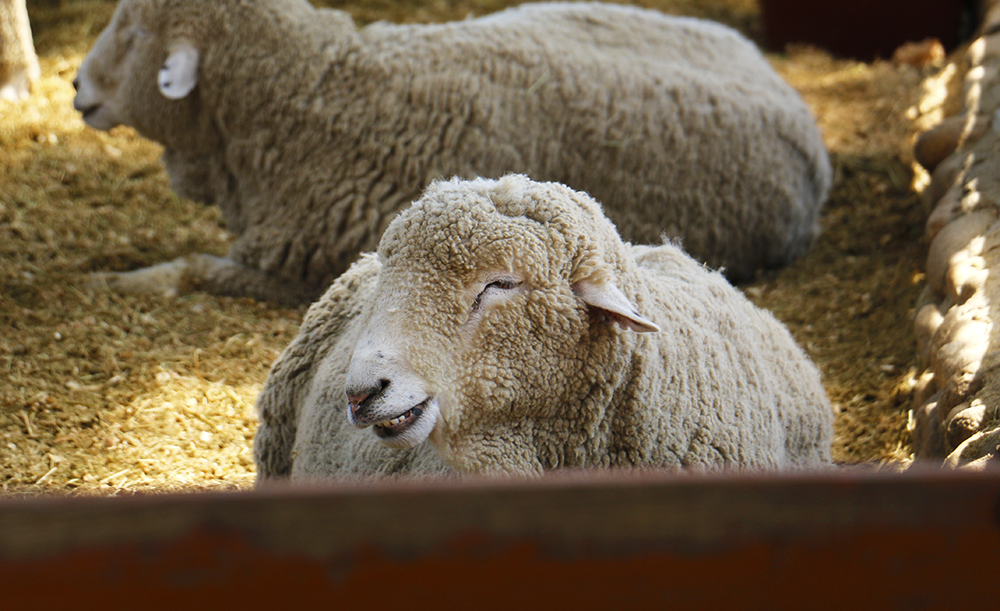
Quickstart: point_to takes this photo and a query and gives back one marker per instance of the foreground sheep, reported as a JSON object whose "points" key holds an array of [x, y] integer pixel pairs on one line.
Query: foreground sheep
{"points": [[311, 134], [506, 321]]}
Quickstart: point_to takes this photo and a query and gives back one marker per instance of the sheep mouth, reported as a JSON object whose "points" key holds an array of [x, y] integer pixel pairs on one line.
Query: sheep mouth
{"points": [[395, 427], [95, 117], [87, 112]]}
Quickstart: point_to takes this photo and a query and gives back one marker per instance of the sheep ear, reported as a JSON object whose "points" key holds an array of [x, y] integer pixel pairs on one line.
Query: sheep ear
{"points": [[609, 301], [179, 74]]}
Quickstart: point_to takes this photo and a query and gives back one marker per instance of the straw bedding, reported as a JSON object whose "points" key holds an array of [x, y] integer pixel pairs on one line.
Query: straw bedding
{"points": [[105, 393]]}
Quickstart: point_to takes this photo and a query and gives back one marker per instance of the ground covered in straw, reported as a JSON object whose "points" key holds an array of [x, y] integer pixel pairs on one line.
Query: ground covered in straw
{"points": [[109, 393]]}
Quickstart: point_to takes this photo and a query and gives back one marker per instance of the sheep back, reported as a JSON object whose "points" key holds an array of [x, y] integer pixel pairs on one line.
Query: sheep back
{"points": [[678, 126], [737, 389]]}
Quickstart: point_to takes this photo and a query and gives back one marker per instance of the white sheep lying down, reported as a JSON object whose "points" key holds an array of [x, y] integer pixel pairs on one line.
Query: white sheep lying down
{"points": [[507, 323], [310, 133]]}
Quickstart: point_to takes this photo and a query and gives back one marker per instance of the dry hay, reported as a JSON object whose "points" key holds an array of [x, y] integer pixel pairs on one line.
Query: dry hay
{"points": [[108, 393], [850, 301]]}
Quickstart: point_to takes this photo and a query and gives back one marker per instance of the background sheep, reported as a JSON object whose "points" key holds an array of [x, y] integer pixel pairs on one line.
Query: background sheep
{"points": [[18, 62], [310, 134], [488, 324]]}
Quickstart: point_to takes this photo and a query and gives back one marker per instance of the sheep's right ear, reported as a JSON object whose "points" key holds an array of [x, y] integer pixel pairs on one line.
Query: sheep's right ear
{"points": [[612, 303], [179, 74]]}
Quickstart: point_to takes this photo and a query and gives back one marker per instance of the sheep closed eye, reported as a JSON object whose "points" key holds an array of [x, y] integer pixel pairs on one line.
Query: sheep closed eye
{"points": [[495, 288]]}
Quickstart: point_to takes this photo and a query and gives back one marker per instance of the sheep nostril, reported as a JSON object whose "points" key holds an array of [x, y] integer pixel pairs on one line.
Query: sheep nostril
{"points": [[76, 83], [359, 399], [354, 403]]}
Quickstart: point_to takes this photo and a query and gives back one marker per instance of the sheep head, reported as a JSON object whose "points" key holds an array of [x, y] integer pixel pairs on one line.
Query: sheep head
{"points": [[183, 71], [497, 304], [144, 71]]}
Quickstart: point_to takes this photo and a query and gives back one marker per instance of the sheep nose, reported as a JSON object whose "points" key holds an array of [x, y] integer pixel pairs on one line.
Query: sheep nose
{"points": [[359, 399]]}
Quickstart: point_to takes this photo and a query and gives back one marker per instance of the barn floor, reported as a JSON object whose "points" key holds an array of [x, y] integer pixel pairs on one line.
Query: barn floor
{"points": [[105, 393]]}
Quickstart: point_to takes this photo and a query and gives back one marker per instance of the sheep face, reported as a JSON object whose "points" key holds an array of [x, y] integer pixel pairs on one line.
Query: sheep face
{"points": [[141, 72], [491, 311]]}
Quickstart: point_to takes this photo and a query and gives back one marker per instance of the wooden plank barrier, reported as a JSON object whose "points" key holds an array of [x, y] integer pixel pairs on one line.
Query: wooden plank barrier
{"points": [[608, 540]]}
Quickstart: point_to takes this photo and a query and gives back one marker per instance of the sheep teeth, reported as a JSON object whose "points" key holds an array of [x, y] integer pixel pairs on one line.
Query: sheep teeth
{"points": [[397, 420], [393, 426]]}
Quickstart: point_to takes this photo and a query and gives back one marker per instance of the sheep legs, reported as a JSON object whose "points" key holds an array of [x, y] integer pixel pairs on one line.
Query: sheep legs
{"points": [[18, 62], [216, 275]]}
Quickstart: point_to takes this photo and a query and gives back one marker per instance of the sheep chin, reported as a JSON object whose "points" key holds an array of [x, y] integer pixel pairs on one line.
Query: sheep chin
{"points": [[414, 430], [99, 117]]}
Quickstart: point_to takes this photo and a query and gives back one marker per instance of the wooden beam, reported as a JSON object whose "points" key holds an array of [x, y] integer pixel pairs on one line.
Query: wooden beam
{"points": [[608, 540]]}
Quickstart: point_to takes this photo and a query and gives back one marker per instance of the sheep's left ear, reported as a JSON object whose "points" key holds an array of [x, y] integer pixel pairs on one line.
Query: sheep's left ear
{"points": [[609, 301], [179, 74]]}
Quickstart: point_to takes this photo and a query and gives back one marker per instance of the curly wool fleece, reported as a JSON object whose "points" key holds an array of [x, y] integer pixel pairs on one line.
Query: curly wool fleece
{"points": [[310, 133], [542, 374]]}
